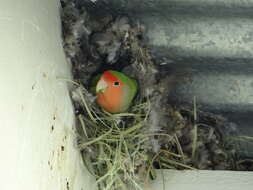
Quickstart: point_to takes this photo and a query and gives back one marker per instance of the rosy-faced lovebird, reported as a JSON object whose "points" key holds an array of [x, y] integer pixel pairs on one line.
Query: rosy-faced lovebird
{"points": [[115, 91]]}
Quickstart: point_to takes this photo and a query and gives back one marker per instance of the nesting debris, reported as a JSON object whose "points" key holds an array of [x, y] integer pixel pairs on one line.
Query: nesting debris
{"points": [[124, 149]]}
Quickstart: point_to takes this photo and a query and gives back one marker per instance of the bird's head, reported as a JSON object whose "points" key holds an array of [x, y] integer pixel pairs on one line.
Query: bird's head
{"points": [[115, 91], [108, 83]]}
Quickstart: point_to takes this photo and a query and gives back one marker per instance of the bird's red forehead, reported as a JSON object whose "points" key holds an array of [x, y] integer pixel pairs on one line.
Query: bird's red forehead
{"points": [[109, 77]]}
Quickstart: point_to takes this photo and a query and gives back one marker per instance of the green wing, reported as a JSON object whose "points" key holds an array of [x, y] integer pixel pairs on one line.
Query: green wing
{"points": [[130, 90]]}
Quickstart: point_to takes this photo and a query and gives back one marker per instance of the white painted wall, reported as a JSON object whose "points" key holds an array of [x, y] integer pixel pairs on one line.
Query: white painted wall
{"points": [[202, 180], [37, 140]]}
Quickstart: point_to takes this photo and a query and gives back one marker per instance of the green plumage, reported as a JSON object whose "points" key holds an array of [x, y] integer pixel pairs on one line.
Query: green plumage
{"points": [[129, 88]]}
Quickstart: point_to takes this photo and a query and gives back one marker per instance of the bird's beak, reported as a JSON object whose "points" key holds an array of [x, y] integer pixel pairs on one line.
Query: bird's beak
{"points": [[101, 86]]}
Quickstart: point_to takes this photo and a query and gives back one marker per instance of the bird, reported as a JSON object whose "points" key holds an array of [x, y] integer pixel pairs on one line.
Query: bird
{"points": [[115, 91]]}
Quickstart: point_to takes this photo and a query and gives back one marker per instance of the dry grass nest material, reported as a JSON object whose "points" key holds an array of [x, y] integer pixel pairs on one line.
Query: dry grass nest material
{"points": [[114, 146], [123, 151]]}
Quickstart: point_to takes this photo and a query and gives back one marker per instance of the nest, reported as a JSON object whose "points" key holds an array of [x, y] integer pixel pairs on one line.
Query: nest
{"points": [[124, 150]]}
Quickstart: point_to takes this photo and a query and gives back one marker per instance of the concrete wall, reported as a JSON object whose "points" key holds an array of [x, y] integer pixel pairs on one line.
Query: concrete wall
{"points": [[203, 180]]}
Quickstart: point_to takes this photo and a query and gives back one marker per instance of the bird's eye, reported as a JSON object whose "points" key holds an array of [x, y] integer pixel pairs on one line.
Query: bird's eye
{"points": [[116, 83]]}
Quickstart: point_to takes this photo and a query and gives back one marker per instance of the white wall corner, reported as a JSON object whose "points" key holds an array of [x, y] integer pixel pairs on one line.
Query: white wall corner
{"points": [[37, 139]]}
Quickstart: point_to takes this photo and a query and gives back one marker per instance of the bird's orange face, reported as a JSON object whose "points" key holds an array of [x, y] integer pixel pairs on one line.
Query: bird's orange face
{"points": [[109, 92]]}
